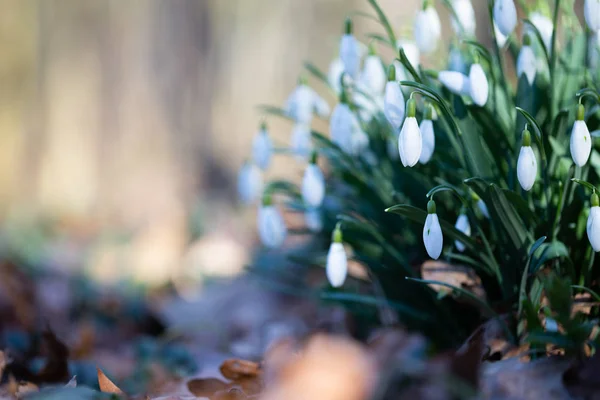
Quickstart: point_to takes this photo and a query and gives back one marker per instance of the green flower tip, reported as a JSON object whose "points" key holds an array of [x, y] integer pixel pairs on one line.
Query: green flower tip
{"points": [[475, 196], [263, 126], [526, 40], [427, 4], [267, 198], [392, 73], [343, 96], [348, 27], [526, 138], [411, 108], [595, 200], [476, 57], [431, 207], [580, 112], [336, 237], [429, 111], [302, 80], [372, 49], [314, 157]]}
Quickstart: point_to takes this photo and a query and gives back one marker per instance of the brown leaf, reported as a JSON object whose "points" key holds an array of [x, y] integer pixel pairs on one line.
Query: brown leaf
{"points": [[235, 369], [57, 365], [206, 387], [231, 394], [455, 275], [106, 385]]}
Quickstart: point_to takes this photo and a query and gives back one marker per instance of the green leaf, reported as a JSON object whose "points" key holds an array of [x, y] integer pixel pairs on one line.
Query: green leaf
{"points": [[585, 184], [540, 39], [409, 67], [505, 215], [316, 72], [273, 110], [549, 251], [481, 49], [536, 245]]}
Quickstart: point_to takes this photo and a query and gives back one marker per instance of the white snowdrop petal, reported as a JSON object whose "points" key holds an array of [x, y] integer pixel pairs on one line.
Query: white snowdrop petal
{"points": [[483, 208], [373, 76], [301, 143], [300, 104], [526, 167], [456, 62], [428, 137], [337, 265], [359, 142], [455, 82], [591, 11], [432, 236], [463, 225], [334, 75], [313, 186], [313, 220], [500, 37], [411, 50], [466, 18], [427, 30], [394, 105], [505, 16], [320, 105], [410, 142], [544, 26], [478, 85], [250, 183], [350, 55], [262, 149], [271, 227], [527, 64], [593, 228], [581, 143], [341, 125]]}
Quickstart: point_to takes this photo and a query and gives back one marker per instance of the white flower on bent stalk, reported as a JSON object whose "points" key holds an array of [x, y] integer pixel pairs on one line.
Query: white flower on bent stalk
{"points": [[313, 220], [466, 24], [271, 227], [591, 11], [413, 55], [481, 205], [337, 261], [478, 85], [410, 142], [428, 135], [505, 16], [373, 76], [593, 223], [303, 102], [581, 141], [262, 147], [526, 61], [527, 164], [301, 141], [393, 100], [432, 232], [350, 51], [313, 184], [250, 183], [545, 26], [456, 82], [456, 61], [343, 125], [334, 75], [462, 225], [427, 28], [501, 38]]}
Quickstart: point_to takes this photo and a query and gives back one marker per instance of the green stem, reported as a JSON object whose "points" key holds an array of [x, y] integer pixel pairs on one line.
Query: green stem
{"points": [[553, 58]]}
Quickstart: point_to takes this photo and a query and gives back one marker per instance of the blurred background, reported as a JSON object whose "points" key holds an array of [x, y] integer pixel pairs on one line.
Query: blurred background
{"points": [[123, 124]]}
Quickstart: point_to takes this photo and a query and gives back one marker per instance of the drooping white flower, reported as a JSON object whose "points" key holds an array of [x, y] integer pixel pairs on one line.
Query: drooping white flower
{"points": [[478, 85], [301, 141], [501, 38], [526, 61], [544, 26], [321, 107], [462, 224], [455, 82], [432, 232], [313, 219], [456, 61], [313, 184], [505, 16], [410, 142], [337, 261], [480, 205], [593, 223], [343, 125], [262, 147], [359, 142], [526, 164], [551, 325], [250, 183], [271, 227], [393, 100], [373, 74], [303, 102], [466, 24], [591, 11], [334, 75], [581, 141], [350, 51], [427, 28], [428, 135]]}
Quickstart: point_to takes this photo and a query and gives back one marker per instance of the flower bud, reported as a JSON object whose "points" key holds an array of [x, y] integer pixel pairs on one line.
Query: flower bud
{"points": [[462, 224], [337, 262], [393, 100], [432, 232], [350, 51], [262, 148], [427, 28], [505, 16], [334, 76], [428, 135], [249, 183], [313, 184], [478, 85], [526, 61], [410, 142], [581, 141], [271, 227], [455, 82], [593, 223], [526, 164], [301, 141], [591, 11], [466, 23]]}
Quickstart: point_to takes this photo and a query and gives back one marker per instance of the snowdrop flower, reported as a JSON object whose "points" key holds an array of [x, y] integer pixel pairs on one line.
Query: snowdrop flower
{"points": [[456, 82], [303, 102], [505, 16], [337, 261], [456, 62], [359, 143], [545, 26], [262, 147], [480, 205], [551, 325], [373, 74], [526, 61], [428, 135], [527, 164], [313, 184], [581, 142], [350, 51], [393, 100], [334, 76], [591, 11], [432, 232], [301, 141], [410, 143], [343, 124], [466, 23], [462, 224], [501, 38], [313, 220], [271, 227], [249, 183], [427, 28], [593, 223], [478, 84]]}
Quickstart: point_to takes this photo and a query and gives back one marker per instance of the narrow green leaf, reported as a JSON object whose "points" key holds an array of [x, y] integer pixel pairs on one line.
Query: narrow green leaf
{"points": [[585, 184], [384, 22], [316, 72], [273, 110], [539, 38], [481, 49], [536, 245], [409, 67]]}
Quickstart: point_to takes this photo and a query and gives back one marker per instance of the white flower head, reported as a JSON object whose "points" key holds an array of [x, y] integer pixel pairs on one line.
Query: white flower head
{"points": [[456, 61], [456, 82], [527, 164], [526, 61], [350, 51], [480, 205], [410, 142], [501, 38], [250, 183], [432, 232], [337, 261], [581, 141], [428, 135], [301, 141], [313, 219], [466, 23], [373, 76], [303, 102], [413, 55], [505, 16], [478, 85], [313, 184], [591, 11], [393, 100], [593, 223], [262, 147], [334, 76], [427, 28], [544, 25], [344, 126], [462, 224], [271, 227]]}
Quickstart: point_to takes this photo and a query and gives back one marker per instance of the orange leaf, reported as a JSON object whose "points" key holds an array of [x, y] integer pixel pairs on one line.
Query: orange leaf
{"points": [[106, 385], [235, 369]]}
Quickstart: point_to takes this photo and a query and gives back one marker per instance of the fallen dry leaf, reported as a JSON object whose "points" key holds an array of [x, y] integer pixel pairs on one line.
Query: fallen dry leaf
{"points": [[106, 385], [206, 387], [455, 275], [235, 369]]}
